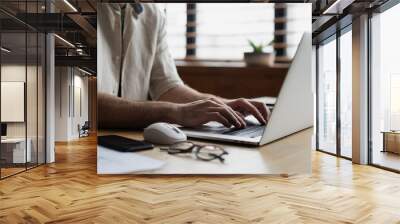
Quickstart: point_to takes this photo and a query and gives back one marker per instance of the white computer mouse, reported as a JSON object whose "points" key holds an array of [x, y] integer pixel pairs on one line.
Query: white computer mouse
{"points": [[163, 134]]}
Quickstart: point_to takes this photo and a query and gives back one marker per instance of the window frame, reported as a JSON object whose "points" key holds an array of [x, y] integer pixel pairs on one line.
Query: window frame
{"points": [[43, 40], [336, 36], [381, 9], [370, 12], [191, 36], [343, 31]]}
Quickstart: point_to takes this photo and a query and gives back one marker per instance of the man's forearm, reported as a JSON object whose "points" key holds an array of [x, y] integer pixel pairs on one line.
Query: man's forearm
{"points": [[115, 112], [185, 94]]}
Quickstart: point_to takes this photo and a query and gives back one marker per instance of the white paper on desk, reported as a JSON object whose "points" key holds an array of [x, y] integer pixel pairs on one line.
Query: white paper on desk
{"points": [[114, 162]]}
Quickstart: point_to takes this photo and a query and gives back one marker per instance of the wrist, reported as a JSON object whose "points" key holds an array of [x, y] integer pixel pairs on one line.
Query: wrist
{"points": [[172, 113], [220, 99], [226, 101]]}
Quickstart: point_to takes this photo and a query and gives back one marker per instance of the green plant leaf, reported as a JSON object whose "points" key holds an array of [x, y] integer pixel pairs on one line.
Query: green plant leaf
{"points": [[259, 48], [253, 45], [256, 48]]}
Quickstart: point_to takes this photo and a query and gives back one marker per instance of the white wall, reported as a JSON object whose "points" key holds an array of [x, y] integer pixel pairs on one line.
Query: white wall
{"points": [[17, 73], [61, 103], [70, 83], [33, 126], [80, 110], [12, 73]]}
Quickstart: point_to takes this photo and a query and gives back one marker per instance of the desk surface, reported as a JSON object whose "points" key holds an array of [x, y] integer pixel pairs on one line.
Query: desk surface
{"points": [[391, 132], [13, 140], [290, 155]]}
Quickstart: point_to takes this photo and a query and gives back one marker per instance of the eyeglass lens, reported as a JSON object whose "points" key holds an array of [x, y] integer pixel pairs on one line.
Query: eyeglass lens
{"points": [[206, 152]]}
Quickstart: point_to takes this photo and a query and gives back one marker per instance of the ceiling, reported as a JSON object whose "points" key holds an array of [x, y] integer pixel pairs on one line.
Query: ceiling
{"points": [[74, 22]]}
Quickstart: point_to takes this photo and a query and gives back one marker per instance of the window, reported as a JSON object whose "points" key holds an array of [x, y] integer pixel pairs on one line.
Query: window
{"points": [[222, 31], [385, 89], [22, 77], [334, 103], [327, 96], [346, 94], [298, 21], [395, 101], [176, 28]]}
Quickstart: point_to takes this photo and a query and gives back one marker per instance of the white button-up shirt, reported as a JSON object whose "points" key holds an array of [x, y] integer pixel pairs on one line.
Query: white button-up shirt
{"points": [[147, 69]]}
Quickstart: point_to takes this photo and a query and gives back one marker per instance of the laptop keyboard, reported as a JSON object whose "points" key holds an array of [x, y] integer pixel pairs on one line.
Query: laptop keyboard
{"points": [[252, 130], [249, 131]]}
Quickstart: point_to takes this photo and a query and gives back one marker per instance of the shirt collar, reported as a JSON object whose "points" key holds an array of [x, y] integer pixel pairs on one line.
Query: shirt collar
{"points": [[117, 6]]}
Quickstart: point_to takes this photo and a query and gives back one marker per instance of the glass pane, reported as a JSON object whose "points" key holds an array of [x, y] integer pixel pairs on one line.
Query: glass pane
{"points": [[41, 99], [31, 98], [346, 94], [176, 28], [23, 90], [13, 87], [298, 21], [32, 88], [225, 35], [327, 97], [223, 30], [386, 89]]}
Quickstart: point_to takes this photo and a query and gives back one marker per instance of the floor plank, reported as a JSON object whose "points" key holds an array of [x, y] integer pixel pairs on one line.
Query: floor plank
{"points": [[69, 191]]}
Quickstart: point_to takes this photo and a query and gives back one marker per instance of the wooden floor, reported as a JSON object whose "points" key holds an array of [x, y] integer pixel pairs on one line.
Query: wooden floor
{"points": [[387, 159], [5, 172], [69, 191]]}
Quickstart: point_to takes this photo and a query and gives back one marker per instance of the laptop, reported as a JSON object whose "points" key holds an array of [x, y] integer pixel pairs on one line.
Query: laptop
{"points": [[292, 112]]}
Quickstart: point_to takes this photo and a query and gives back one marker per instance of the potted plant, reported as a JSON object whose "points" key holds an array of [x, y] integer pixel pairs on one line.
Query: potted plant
{"points": [[258, 57]]}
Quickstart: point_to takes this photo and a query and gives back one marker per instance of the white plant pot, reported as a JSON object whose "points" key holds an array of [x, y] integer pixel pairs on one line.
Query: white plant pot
{"points": [[259, 59]]}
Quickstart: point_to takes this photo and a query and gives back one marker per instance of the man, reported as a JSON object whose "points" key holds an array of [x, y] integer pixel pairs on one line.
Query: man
{"points": [[135, 65]]}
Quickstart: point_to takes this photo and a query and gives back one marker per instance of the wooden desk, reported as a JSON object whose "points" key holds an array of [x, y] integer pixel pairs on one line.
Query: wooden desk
{"points": [[391, 141], [14, 152], [291, 155]]}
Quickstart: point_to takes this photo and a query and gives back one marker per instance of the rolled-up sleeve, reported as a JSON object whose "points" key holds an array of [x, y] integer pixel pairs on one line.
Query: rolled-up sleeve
{"points": [[164, 75]]}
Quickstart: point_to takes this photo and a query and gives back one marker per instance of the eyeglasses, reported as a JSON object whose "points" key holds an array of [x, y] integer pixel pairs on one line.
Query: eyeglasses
{"points": [[202, 152]]}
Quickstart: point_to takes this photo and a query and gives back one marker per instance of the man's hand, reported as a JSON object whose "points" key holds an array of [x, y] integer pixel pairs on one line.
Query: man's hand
{"points": [[241, 107], [230, 113], [202, 111], [248, 107]]}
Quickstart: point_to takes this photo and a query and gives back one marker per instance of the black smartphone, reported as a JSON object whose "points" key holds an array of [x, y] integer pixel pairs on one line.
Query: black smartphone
{"points": [[123, 144]]}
